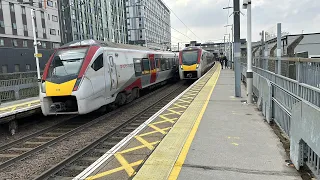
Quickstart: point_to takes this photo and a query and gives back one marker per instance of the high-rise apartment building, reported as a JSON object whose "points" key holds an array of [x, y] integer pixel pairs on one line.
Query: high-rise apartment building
{"points": [[16, 33], [93, 19], [148, 23], [16, 24]]}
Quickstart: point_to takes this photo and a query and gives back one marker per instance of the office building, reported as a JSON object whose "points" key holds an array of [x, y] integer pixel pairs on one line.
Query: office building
{"points": [[93, 19], [148, 24]]}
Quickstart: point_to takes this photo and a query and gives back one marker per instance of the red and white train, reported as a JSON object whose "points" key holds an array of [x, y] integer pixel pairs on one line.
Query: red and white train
{"points": [[83, 76]]}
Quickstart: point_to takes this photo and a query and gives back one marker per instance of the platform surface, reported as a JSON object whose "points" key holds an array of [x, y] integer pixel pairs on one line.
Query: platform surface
{"points": [[227, 140], [13, 107]]}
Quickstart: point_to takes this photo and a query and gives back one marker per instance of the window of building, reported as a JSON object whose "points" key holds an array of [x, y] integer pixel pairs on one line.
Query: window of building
{"points": [[48, 16], [4, 69], [28, 67], [25, 28], [14, 42], [23, 10], [14, 25], [50, 3], [11, 7], [17, 68], [52, 31], [56, 45], [2, 24], [58, 32], [54, 18], [44, 30], [42, 15], [98, 63], [44, 44], [1, 42], [25, 43]]}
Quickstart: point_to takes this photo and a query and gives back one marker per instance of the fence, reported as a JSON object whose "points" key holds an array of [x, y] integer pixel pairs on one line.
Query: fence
{"points": [[292, 100], [16, 86]]}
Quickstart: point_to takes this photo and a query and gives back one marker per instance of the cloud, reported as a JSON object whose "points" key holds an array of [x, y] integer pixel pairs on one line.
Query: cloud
{"points": [[206, 18]]}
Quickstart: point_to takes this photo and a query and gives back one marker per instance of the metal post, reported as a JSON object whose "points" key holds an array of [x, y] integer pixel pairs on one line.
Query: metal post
{"points": [[232, 48], [229, 57], [249, 55], [224, 44], [279, 47], [237, 53], [35, 44]]}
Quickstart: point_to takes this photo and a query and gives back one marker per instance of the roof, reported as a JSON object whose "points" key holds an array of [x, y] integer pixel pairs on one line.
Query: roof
{"points": [[90, 42]]}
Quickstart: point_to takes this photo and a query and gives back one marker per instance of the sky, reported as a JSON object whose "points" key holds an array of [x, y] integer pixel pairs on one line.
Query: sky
{"points": [[205, 19]]}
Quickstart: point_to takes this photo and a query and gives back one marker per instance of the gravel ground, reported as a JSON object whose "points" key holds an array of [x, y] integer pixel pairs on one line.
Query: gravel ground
{"points": [[42, 161], [29, 125]]}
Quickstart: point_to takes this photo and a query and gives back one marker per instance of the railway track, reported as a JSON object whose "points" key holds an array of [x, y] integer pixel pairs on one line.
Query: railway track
{"points": [[77, 162], [28, 145]]}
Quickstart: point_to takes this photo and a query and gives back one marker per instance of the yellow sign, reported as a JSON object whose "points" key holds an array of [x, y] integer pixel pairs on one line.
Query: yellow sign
{"points": [[39, 55]]}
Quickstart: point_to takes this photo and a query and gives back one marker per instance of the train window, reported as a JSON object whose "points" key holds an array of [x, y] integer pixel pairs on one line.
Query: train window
{"points": [[167, 64], [163, 64], [157, 64], [146, 66], [98, 63], [137, 67]]}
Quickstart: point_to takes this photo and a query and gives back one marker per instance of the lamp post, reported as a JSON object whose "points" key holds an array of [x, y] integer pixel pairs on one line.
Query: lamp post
{"points": [[231, 45], [247, 5], [35, 44]]}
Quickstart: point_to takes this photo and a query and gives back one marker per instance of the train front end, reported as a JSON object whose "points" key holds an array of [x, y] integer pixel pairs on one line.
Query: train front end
{"points": [[190, 63], [62, 78]]}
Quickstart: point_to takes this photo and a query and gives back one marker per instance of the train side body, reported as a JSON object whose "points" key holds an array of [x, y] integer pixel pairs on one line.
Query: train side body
{"points": [[106, 75]]}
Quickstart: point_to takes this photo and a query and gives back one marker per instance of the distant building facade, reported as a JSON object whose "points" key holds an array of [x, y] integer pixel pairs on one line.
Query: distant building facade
{"points": [[148, 24], [93, 19], [16, 35]]}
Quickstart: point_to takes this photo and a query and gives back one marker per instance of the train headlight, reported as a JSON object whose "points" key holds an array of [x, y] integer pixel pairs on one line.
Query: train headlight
{"points": [[181, 67], [197, 66], [77, 84], [43, 87]]}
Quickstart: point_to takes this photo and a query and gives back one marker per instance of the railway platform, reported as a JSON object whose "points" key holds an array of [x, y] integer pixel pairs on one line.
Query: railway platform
{"points": [[204, 133], [10, 111]]}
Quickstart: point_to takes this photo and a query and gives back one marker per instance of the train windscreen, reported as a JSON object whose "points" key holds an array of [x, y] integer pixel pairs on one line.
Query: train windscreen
{"points": [[189, 57], [66, 64]]}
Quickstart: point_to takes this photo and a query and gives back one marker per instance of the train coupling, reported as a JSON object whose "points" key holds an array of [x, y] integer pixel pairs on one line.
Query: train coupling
{"points": [[189, 75], [58, 107]]}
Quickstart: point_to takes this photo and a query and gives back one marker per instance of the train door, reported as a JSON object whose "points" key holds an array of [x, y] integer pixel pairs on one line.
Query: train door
{"points": [[153, 69], [111, 74]]}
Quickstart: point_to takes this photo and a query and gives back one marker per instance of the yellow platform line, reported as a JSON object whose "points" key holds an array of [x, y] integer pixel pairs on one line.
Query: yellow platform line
{"points": [[127, 167], [138, 147], [157, 129], [144, 142], [166, 160], [13, 107], [113, 171], [153, 132]]}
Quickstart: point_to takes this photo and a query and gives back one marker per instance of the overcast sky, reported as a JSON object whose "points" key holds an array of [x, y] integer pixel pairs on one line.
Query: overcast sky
{"points": [[207, 19]]}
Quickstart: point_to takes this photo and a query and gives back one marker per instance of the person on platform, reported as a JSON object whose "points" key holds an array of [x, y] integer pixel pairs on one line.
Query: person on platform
{"points": [[225, 59]]}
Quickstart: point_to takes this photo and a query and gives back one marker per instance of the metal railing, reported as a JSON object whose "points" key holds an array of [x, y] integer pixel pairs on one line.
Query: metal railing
{"points": [[16, 86], [292, 100]]}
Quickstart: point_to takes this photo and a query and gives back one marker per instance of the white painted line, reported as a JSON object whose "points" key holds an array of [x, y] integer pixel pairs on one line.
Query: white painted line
{"points": [[89, 170]]}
